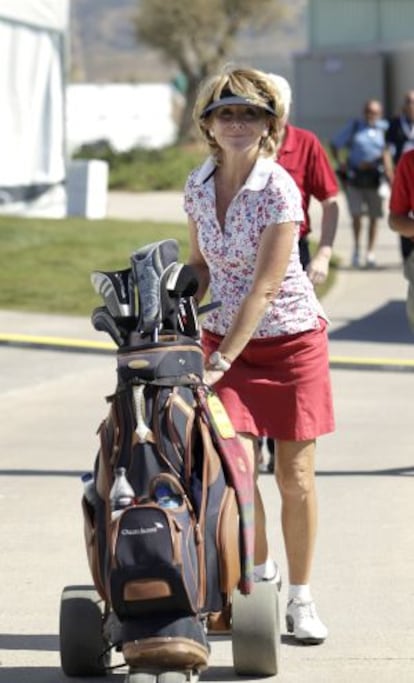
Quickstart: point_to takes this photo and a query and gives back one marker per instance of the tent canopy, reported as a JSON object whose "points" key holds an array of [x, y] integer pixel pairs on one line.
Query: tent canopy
{"points": [[49, 14], [32, 93]]}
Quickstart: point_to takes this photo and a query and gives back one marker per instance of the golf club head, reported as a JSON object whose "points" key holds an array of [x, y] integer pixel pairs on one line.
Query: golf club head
{"points": [[103, 321], [182, 281], [148, 266], [115, 289], [168, 304], [188, 318]]}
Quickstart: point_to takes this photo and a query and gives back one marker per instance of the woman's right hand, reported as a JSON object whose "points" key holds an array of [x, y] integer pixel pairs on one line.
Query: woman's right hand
{"points": [[210, 377]]}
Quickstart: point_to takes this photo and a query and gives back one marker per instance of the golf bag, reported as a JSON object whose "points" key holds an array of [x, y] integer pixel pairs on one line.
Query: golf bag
{"points": [[169, 531]]}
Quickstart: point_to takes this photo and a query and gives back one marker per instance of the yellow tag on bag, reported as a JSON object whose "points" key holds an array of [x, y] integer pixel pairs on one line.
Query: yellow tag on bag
{"points": [[220, 418]]}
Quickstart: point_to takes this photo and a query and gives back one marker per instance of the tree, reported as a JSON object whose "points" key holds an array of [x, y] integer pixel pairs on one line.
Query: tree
{"points": [[198, 36]]}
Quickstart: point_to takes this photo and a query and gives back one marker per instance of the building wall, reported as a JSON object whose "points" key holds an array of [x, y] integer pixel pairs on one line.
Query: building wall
{"points": [[331, 88], [363, 23], [358, 49]]}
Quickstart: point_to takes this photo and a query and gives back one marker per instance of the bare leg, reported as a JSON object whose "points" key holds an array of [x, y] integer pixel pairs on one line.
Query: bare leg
{"points": [[372, 234], [296, 481], [356, 228], [260, 547]]}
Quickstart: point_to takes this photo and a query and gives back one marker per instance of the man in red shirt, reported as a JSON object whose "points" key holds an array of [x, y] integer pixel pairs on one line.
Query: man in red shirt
{"points": [[401, 219], [303, 156]]}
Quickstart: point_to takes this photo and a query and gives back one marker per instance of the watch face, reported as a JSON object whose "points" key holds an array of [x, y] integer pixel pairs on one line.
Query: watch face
{"points": [[217, 361]]}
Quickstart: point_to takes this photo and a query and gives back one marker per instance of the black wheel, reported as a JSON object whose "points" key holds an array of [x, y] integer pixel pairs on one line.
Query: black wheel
{"points": [[83, 648], [256, 631]]}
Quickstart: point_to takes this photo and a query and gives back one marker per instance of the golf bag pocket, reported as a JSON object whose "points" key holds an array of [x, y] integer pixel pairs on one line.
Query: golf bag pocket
{"points": [[228, 542], [170, 361], [92, 544], [155, 564], [219, 514]]}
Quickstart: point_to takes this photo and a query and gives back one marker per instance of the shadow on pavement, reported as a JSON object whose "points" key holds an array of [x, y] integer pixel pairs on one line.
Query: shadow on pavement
{"points": [[222, 673], [387, 324], [391, 472], [43, 674], [25, 641], [41, 473]]}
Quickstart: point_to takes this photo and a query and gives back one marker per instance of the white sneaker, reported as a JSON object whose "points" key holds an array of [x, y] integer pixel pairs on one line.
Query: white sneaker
{"points": [[371, 261], [270, 574], [302, 620]]}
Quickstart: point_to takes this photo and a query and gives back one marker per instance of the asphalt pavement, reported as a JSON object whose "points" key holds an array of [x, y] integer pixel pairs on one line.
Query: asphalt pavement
{"points": [[55, 374]]}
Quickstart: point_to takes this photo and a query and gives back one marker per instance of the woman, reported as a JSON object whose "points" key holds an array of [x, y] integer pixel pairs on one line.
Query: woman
{"points": [[266, 346]]}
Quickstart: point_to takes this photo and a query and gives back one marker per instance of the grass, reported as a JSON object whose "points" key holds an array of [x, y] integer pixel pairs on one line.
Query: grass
{"points": [[45, 264]]}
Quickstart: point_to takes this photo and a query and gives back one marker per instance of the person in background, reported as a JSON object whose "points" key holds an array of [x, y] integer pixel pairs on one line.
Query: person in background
{"points": [[363, 142], [401, 219], [400, 139], [304, 157], [244, 212]]}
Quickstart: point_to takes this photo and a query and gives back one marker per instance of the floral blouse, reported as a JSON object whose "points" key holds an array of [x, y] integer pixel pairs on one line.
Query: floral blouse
{"points": [[269, 196]]}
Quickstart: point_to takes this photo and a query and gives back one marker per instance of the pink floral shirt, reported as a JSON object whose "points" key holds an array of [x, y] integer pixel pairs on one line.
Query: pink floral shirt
{"points": [[268, 196]]}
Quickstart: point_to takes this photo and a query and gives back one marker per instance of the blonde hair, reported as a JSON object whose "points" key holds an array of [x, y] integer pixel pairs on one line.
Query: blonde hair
{"points": [[252, 84]]}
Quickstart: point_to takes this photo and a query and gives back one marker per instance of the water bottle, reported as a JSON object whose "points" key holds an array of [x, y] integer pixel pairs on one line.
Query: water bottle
{"points": [[89, 489], [165, 496], [122, 494]]}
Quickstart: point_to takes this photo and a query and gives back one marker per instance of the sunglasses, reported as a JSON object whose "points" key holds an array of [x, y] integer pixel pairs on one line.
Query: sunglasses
{"points": [[239, 113]]}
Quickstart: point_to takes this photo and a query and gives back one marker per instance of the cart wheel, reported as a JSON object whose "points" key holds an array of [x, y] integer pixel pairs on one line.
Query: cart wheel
{"points": [[140, 677], [256, 631], [83, 648], [172, 677], [164, 677]]}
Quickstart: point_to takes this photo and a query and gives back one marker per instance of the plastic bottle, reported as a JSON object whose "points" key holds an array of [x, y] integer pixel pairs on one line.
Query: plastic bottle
{"points": [[165, 496], [122, 494], [89, 489]]}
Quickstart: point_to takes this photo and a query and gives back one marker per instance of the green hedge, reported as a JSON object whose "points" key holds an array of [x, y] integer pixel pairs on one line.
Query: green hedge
{"points": [[142, 170]]}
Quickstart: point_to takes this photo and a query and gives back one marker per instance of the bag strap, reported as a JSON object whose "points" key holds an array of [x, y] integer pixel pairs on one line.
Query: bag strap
{"points": [[238, 472]]}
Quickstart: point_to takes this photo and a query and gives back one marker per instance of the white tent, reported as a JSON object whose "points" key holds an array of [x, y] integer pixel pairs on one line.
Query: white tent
{"points": [[126, 115], [32, 95]]}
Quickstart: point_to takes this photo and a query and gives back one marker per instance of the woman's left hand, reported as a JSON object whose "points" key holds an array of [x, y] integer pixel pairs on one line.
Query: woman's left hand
{"points": [[318, 269], [210, 377]]}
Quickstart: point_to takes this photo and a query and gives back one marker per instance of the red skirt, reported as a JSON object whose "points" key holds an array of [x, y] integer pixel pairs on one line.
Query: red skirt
{"points": [[279, 386]]}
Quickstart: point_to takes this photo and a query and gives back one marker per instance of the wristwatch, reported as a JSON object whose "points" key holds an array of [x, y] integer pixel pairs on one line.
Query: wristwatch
{"points": [[219, 362]]}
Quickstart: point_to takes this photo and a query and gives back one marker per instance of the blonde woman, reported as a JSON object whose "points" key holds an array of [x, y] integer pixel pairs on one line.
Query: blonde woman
{"points": [[266, 346]]}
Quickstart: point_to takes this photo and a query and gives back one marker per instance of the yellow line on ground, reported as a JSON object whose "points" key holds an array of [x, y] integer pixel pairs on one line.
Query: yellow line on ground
{"points": [[68, 343], [352, 360]]}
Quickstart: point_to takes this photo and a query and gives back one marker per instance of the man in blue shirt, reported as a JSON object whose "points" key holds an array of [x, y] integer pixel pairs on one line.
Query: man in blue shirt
{"points": [[363, 162]]}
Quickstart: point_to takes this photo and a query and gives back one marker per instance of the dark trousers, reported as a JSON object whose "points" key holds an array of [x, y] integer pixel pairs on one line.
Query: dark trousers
{"points": [[304, 253], [407, 245]]}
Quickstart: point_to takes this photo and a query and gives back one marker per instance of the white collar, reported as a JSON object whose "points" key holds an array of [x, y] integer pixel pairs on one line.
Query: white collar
{"points": [[256, 181]]}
